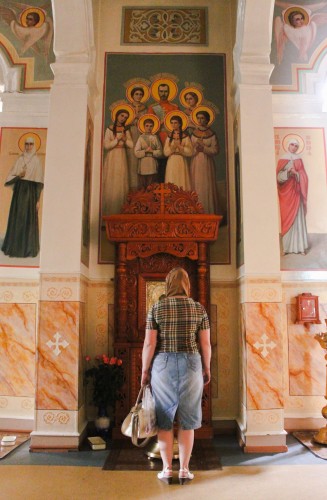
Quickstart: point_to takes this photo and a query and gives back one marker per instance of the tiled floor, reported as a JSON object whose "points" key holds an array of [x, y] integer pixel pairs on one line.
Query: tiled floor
{"points": [[227, 447], [294, 475]]}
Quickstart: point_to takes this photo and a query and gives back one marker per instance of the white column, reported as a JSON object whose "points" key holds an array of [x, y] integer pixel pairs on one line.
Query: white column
{"points": [[262, 409], [60, 417]]}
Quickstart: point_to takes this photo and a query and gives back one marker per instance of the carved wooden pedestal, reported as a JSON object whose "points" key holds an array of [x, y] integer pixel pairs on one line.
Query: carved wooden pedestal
{"points": [[159, 228]]}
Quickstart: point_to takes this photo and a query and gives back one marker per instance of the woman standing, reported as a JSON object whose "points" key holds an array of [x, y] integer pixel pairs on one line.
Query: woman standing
{"points": [[202, 167], [174, 328], [177, 147], [115, 170]]}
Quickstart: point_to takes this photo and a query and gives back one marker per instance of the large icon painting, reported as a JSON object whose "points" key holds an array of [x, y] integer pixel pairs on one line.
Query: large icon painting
{"points": [[164, 120], [22, 157]]}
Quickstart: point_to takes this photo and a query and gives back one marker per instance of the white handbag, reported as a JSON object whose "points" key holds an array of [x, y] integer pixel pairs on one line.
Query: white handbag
{"points": [[140, 423]]}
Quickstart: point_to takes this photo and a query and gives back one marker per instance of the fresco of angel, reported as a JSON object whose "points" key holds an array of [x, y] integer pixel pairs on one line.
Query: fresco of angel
{"points": [[298, 24], [32, 26]]}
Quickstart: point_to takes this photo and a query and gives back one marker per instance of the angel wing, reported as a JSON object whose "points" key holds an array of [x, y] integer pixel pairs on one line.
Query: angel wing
{"points": [[29, 36], [320, 18], [7, 15], [280, 37]]}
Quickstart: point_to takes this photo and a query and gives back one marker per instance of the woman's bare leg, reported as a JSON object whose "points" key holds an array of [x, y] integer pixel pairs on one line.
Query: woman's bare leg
{"points": [[166, 441], [185, 446]]}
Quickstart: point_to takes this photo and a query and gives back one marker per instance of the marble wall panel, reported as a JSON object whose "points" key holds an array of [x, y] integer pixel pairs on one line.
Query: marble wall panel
{"points": [[264, 363], [17, 348], [58, 352], [81, 354], [307, 370]]}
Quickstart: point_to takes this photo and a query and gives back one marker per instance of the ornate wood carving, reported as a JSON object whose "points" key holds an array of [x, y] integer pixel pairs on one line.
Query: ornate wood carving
{"points": [[162, 212], [162, 198], [188, 249], [160, 227]]}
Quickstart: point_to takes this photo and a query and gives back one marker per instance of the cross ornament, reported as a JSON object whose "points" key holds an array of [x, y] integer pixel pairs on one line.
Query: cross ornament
{"points": [[162, 191], [265, 346], [57, 344]]}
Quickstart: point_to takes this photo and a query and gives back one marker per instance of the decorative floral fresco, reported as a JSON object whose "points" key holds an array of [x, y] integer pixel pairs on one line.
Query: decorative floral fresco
{"points": [[165, 26], [26, 39]]}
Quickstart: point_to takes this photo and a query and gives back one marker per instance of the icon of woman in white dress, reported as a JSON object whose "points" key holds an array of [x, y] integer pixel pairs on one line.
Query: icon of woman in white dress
{"points": [[117, 139], [178, 147]]}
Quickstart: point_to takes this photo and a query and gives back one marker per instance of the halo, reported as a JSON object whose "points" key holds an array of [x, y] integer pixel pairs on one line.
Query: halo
{"points": [[288, 138], [22, 139], [128, 108], [203, 108], [145, 88], [164, 81], [187, 90], [289, 11], [156, 121], [175, 112], [25, 13]]}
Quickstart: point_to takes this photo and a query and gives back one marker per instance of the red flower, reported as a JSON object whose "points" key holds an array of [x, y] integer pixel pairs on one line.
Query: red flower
{"points": [[113, 361], [87, 358], [105, 360], [119, 362]]}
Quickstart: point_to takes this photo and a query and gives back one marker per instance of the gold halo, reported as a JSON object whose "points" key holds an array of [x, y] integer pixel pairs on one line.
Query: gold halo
{"points": [[128, 108], [156, 121], [187, 90], [288, 11], [37, 140], [145, 88], [164, 81], [288, 138], [25, 13], [175, 112], [203, 108]]}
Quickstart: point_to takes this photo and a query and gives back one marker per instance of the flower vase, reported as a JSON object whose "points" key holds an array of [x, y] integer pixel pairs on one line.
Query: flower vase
{"points": [[102, 423]]}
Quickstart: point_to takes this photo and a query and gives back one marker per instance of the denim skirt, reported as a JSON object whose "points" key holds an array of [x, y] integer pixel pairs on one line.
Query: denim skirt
{"points": [[177, 386]]}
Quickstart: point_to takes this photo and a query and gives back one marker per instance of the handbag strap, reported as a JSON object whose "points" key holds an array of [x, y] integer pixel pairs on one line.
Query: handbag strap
{"points": [[140, 394]]}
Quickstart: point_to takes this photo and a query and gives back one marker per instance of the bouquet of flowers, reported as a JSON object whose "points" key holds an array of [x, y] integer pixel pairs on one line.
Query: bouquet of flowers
{"points": [[107, 377]]}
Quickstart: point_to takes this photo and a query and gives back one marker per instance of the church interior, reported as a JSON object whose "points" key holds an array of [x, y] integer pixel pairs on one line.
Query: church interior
{"points": [[77, 280]]}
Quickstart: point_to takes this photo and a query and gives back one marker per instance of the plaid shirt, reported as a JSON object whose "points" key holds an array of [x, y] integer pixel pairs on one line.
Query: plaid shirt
{"points": [[178, 321]]}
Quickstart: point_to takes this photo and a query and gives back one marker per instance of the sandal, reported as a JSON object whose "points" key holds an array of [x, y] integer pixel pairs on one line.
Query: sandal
{"points": [[185, 476], [166, 475]]}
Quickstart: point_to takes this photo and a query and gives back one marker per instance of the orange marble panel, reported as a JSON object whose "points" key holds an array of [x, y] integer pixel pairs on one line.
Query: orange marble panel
{"points": [[82, 354], [307, 366], [264, 356], [17, 348], [58, 356]]}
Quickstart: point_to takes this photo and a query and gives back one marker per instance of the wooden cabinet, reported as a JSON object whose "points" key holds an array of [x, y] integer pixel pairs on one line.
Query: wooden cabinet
{"points": [[159, 228], [307, 308]]}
